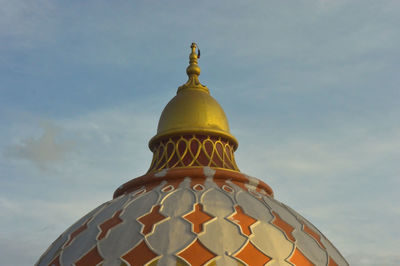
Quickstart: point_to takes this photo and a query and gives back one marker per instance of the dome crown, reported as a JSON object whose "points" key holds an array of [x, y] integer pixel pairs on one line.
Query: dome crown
{"points": [[193, 110]]}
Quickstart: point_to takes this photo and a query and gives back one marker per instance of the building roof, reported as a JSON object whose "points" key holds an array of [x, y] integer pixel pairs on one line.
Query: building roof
{"points": [[193, 206]]}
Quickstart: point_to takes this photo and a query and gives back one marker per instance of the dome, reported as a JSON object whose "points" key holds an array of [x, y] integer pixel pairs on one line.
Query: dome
{"points": [[193, 207], [193, 110], [182, 115]]}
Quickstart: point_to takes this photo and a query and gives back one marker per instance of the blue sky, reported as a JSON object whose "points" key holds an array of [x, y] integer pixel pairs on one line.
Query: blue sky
{"points": [[311, 90]]}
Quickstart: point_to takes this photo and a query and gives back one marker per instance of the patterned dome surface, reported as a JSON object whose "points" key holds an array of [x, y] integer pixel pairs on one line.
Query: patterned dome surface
{"points": [[193, 207], [196, 216]]}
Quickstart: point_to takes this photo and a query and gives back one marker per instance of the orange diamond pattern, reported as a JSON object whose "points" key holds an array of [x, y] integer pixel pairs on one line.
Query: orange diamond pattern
{"points": [[139, 255], [242, 220], [108, 224], [299, 259], [313, 234], [79, 230], [55, 261], [150, 219], [284, 226], [198, 217], [92, 258], [332, 262], [196, 254], [251, 255]]}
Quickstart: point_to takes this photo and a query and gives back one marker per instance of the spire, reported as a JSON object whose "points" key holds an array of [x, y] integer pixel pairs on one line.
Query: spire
{"points": [[193, 69], [193, 130], [193, 72]]}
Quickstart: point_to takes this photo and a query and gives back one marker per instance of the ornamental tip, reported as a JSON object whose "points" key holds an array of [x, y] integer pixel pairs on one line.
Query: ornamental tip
{"points": [[193, 72], [193, 68], [194, 46]]}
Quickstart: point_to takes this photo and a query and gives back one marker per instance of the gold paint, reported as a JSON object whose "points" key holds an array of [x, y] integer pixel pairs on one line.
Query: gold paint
{"points": [[180, 262], [162, 160], [193, 72], [212, 263], [193, 110], [153, 263]]}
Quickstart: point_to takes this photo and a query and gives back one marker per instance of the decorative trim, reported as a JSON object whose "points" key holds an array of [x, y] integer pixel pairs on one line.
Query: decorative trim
{"points": [[175, 176], [191, 151]]}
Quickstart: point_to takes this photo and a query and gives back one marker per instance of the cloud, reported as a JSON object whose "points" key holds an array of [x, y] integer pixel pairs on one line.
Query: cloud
{"points": [[327, 151], [33, 224], [44, 151], [110, 147], [343, 178], [362, 259]]}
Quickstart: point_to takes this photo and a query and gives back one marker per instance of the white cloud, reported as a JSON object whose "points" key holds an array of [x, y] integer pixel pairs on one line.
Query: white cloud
{"points": [[43, 151], [33, 224], [110, 148], [343, 178], [374, 258]]}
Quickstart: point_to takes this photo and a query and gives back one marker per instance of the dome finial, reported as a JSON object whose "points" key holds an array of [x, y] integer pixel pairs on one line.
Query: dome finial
{"points": [[193, 71], [193, 68]]}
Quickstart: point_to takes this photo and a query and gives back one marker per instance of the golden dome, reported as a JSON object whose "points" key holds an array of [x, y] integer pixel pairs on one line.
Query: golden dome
{"points": [[193, 110]]}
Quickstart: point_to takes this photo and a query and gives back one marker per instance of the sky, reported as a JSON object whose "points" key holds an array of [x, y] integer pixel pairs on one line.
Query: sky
{"points": [[310, 88]]}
